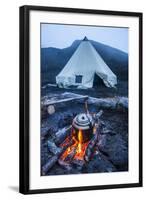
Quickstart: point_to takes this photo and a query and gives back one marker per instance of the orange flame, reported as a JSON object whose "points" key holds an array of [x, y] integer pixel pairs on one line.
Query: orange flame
{"points": [[78, 146], [80, 139]]}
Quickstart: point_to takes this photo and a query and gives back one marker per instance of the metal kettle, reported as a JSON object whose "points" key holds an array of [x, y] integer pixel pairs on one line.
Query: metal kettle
{"points": [[82, 127]]}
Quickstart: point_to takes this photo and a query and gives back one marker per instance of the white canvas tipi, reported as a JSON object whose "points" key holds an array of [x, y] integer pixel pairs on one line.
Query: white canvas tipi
{"points": [[82, 67]]}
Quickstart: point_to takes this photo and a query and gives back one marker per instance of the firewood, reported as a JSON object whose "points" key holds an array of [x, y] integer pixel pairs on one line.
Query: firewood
{"points": [[53, 148], [48, 101], [54, 159], [110, 103], [71, 155], [98, 115], [90, 147], [49, 164], [62, 134]]}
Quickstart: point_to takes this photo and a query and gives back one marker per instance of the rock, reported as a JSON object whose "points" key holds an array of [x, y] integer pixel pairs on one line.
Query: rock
{"points": [[65, 120], [47, 132], [44, 113], [78, 164], [56, 170], [51, 109], [44, 154], [115, 148], [107, 131], [44, 131], [82, 87], [64, 165], [99, 163]]}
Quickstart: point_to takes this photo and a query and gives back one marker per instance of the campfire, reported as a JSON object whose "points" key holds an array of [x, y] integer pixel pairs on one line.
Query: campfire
{"points": [[84, 128], [76, 143]]}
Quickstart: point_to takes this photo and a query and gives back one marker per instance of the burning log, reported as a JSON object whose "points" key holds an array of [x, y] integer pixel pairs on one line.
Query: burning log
{"points": [[54, 159], [71, 155], [94, 140], [62, 134], [90, 147], [82, 137]]}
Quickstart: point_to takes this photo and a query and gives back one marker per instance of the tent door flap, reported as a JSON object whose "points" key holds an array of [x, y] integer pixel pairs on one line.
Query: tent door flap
{"points": [[78, 78]]}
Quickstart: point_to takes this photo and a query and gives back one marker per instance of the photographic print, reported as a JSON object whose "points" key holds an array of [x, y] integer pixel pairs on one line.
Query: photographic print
{"points": [[84, 99], [80, 99]]}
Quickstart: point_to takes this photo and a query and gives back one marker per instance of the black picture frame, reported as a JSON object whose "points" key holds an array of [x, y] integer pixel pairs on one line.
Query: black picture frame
{"points": [[25, 105]]}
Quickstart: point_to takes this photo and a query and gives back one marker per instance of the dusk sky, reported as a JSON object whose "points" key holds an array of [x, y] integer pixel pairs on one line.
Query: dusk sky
{"points": [[62, 36]]}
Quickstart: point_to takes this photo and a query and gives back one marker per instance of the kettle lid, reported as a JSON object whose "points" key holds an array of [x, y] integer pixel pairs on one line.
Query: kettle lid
{"points": [[83, 121]]}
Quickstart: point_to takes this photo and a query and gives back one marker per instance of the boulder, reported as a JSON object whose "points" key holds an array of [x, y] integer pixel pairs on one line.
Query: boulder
{"points": [[115, 148], [99, 163]]}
